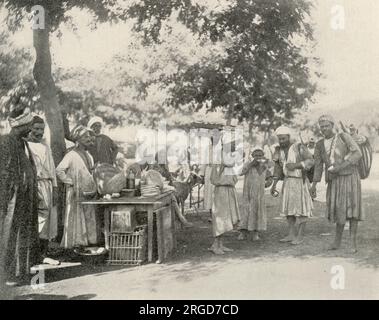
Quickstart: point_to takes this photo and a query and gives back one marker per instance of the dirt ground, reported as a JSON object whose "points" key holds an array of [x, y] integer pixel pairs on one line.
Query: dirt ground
{"points": [[255, 270]]}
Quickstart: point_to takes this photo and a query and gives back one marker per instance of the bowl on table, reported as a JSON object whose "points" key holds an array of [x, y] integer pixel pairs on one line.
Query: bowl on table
{"points": [[89, 194]]}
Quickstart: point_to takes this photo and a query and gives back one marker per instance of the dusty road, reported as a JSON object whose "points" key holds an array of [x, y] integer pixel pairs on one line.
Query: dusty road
{"points": [[259, 270]]}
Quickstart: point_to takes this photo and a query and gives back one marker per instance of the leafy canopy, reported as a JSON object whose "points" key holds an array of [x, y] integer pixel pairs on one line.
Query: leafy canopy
{"points": [[258, 72]]}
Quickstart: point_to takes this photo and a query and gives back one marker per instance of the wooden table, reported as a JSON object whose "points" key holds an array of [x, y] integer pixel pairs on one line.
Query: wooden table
{"points": [[160, 206]]}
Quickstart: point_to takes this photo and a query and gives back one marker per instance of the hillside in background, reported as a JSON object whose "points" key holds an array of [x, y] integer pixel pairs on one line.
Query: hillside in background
{"points": [[361, 114]]}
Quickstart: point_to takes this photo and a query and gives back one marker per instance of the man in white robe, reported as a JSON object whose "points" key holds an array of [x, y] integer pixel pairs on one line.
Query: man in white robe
{"points": [[47, 188], [291, 162], [75, 171], [214, 150]]}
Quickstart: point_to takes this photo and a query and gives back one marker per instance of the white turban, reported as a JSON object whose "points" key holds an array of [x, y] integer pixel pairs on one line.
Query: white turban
{"points": [[78, 132], [94, 120], [25, 118], [283, 130]]}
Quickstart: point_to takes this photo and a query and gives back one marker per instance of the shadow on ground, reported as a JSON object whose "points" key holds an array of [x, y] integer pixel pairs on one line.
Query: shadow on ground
{"points": [[193, 260], [54, 297]]}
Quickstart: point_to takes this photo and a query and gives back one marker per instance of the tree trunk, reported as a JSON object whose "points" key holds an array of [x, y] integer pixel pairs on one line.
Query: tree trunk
{"points": [[46, 86], [230, 113], [251, 132], [48, 95]]}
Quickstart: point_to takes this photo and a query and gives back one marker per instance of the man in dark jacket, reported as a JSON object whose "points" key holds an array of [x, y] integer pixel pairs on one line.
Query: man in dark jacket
{"points": [[104, 150], [19, 246]]}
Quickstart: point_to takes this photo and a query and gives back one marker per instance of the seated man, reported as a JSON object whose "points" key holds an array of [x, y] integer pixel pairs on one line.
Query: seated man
{"points": [[163, 170]]}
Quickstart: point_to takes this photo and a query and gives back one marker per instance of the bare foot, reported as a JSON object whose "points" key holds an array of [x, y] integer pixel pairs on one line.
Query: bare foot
{"points": [[217, 251], [334, 246], [288, 239], [256, 237], [226, 249], [353, 250], [241, 236], [297, 241]]}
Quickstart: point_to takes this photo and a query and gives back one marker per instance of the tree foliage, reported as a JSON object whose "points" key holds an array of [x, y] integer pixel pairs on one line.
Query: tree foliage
{"points": [[263, 74], [255, 69], [15, 63]]}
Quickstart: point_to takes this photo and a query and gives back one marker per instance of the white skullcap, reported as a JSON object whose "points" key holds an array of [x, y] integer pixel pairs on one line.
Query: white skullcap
{"points": [[326, 117]]}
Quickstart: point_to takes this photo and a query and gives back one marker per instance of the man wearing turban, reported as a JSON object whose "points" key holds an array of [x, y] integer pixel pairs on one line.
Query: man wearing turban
{"points": [[104, 150], [47, 188], [19, 245], [75, 171], [291, 161], [339, 154]]}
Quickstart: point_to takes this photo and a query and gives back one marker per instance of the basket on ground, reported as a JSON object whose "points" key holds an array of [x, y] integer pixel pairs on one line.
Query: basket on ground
{"points": [[128, 248]]}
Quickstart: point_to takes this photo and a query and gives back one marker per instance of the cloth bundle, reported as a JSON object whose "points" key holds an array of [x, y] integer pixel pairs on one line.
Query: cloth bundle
{"points": [[109, 179]]}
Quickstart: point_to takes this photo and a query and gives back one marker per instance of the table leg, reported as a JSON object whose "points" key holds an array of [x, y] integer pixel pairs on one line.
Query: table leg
{"points": [[106, 227], [160, 237], [150, 230], [173, 227]]}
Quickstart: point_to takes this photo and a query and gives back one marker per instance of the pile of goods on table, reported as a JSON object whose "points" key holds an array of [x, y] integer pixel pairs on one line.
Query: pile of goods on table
{"points": [[153, 184]]}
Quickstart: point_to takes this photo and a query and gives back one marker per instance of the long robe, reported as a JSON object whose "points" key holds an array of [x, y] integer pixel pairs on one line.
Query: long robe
{"points": [[296, 198], [253, 211], [225, 212], [19, 243], [208, 188], [79, 220], [344, 194], [46, 177]]}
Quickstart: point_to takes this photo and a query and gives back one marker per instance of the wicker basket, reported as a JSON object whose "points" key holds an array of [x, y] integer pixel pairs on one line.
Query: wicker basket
{"points": [[128, 248]]}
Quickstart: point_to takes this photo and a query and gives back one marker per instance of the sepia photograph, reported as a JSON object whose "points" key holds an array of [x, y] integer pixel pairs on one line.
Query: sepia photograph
{"points": [[182, 150]]}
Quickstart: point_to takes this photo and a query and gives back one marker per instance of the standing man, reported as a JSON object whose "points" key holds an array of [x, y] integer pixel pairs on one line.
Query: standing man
{"points": [[206, 170], [340, 155], [47, 188], [19, 245], [291, 161], [75, 171], [104, 150]]}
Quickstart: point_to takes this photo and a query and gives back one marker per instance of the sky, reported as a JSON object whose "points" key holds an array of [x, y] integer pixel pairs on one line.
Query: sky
{"points": [[350, 55], [350, 52]]}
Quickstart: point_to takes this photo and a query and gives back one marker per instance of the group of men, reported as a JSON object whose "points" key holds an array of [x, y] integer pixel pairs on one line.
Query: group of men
{"points": [[28, 186], [29, 194], [336, 154]]}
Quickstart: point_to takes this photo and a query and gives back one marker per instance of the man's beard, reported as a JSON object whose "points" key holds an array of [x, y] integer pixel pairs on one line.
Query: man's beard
{"points": [[327, 134], [284, 144]]}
